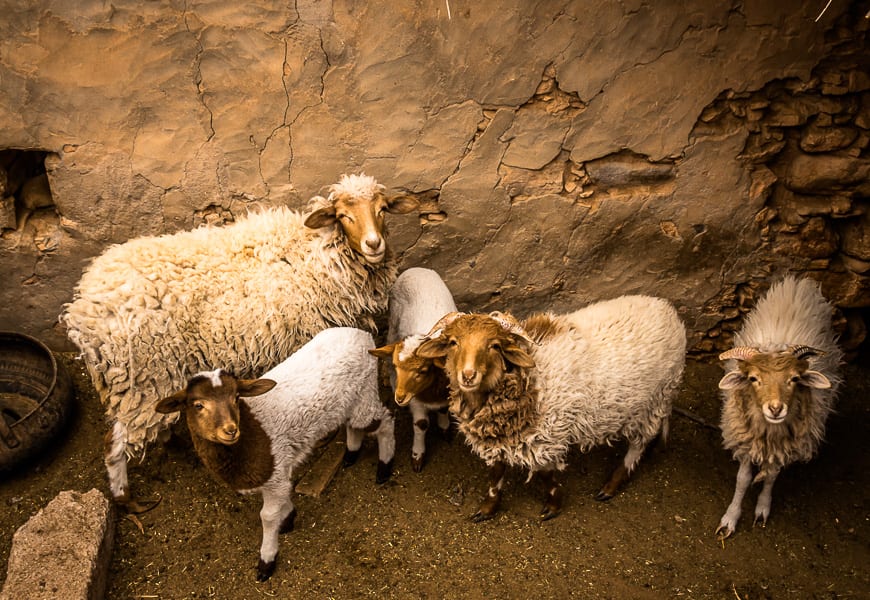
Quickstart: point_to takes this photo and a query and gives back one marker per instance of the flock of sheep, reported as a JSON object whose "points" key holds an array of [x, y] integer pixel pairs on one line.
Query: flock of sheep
{"points": [[259, 333]]}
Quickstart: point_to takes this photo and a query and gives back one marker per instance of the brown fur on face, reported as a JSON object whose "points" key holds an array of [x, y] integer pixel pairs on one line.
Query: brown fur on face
{"points": [[416, 377], [477, 352], [362, 219], [777, 382], [227, 437]]}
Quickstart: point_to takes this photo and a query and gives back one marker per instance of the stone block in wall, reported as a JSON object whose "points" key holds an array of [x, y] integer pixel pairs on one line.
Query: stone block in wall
{"points": [[63, 551], [826, 139], [855, 237]]}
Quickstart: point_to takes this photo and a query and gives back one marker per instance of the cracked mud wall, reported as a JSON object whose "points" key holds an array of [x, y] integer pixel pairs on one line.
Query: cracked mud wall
{"points": [[575, 150]]}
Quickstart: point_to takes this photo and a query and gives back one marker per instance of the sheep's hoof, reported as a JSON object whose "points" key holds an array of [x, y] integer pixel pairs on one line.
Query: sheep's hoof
{"points": [[760, 520], [265, 570], [350, 457], [385, 471], [138, 508], [480, 517], [723, 532], [603, 496], [288, 522], [548, 512], [417, 463]]}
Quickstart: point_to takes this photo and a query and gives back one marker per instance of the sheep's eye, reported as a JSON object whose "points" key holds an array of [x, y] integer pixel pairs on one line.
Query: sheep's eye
{"points": [[453, 343], [495, 346], [753, 379], [198, 405], [794, 379], [344, 217]]}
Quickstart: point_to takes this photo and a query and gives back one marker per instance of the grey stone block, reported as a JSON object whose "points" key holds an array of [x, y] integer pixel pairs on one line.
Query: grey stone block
{"points": [[63, 551]]}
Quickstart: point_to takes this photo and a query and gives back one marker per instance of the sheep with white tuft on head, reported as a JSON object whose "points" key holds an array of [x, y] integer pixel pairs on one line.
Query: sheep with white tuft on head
{"points": [[418, 300], [254, 434], [781, 381], [149, 313]]}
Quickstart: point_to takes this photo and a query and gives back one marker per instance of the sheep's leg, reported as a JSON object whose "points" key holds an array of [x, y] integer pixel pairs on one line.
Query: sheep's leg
{"points": [[729, 520], [116, 462], [386, 434], [621, 473], [553, 503], [493, 495], [420, 417], [762, 506], [115, 459], [354, 443], [276, 515], [443, 416]]}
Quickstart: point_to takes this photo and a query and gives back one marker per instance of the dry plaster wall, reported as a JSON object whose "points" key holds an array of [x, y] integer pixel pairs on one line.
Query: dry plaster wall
{"points": [[573, 150]]}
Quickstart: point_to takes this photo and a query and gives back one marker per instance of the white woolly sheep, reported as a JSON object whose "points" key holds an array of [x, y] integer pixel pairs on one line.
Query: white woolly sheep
{"points": [[255, 444], [149, 313], [781, 381], [524, 394], [419, 298]]}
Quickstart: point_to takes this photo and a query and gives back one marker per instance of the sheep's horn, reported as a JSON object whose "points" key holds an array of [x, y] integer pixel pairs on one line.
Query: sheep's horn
{"points": [[510, 324], [805, 351], [442, 323], [739, 353]]}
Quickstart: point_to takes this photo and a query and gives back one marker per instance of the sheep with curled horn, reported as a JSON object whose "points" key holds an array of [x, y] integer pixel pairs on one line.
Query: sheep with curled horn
{"points": [[781, 381], [525, 392]]}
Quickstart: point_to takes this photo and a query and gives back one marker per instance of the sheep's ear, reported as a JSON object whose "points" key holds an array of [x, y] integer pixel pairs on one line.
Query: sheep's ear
{"points": [[517, 356], [254, 387], [732, 380], [435, 348], [402, 203], [322, 217], [816, 380], [173, 403], [385, 352]]}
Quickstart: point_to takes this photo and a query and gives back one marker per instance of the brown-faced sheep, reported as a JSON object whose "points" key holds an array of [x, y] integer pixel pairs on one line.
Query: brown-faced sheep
{"points": [[151, 312], [255, 444], [524, 394], [782, 379]]}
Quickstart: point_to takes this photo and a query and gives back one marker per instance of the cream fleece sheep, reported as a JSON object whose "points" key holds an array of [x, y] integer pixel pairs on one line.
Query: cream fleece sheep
{"points": [[783, 376], [149, 313], [524, 396]]}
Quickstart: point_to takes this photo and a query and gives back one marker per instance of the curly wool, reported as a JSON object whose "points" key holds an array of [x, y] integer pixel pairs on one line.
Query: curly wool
{"points": [[149, 313], [603, 373]]}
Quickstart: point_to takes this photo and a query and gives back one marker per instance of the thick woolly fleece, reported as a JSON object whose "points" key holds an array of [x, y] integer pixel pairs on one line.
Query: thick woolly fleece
{"points": [[793, 312], [603, 373], [153, 311]]}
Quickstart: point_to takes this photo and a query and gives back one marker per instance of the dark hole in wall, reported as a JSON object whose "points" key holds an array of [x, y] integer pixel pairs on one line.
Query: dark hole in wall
{"points": [[24, 188]]}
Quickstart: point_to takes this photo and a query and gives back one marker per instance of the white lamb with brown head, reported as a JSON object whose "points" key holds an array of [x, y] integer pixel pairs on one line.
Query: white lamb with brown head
{"points": [[418, 300], [254, 434], [783, 375]]}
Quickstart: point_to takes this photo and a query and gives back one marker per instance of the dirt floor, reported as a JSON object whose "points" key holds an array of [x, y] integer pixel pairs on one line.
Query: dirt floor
{"points": [[412, 537]]}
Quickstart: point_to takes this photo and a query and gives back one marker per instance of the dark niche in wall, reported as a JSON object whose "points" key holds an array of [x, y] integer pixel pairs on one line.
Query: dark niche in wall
{"points": [[24, 192]]}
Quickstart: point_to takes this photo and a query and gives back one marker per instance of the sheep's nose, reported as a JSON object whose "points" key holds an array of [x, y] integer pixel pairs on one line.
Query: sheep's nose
{"points": [[231, 431], [373, 242], [468, 375], [775, 409]]}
